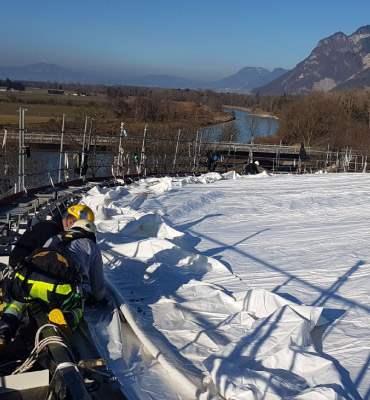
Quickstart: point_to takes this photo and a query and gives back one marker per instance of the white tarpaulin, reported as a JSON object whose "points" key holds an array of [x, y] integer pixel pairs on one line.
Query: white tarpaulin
{"points": [[202, 331]]}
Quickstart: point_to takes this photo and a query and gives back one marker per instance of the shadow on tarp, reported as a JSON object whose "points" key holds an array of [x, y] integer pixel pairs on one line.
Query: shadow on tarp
{"points": [[189, 241], [331, 315], [172, 285], [324, 296], [186, 226], [275, 380], [139, 286], [310, 286], [216, 250], [361, 376], [289, 297], [328, 293]]}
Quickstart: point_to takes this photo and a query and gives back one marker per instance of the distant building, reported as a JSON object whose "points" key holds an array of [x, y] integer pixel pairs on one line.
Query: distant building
{"points": [[55, 91]]}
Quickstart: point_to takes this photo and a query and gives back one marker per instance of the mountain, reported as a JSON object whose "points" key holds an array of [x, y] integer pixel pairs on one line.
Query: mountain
{"points": [[44, 72], [360, 80], [39, 72], [339, 61], [166, 82], [246, 79], [241, 82]]}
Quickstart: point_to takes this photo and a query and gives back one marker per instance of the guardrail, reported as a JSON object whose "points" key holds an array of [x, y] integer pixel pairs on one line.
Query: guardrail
{"points": [[145, 154], [36, 137]]}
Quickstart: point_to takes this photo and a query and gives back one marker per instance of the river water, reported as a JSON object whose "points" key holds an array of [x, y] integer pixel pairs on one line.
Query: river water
{"points": [[263, 125]]}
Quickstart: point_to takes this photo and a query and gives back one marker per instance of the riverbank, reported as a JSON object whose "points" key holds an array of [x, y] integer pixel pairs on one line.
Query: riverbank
{"points": [[258, 112], [264, 129], [222, 117]]}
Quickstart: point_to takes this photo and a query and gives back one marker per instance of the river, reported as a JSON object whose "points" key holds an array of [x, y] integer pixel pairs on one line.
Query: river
{"points": [[263, 125]]}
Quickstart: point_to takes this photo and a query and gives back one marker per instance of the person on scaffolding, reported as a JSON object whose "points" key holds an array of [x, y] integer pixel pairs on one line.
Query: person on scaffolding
{"points": [[60, 275], [252, 168], [37, 235], [215, 161], [212, 159]]}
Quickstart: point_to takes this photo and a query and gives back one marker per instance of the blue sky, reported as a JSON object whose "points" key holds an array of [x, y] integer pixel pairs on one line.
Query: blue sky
{"points": [[205, 39]]}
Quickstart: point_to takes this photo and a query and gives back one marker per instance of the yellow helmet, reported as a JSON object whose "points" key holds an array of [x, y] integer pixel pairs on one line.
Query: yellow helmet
{"points": [[81, 211]]}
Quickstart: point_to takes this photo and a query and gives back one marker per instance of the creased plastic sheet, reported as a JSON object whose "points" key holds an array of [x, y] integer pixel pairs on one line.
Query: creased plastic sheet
{"points": [[138, 374], [201, 325]]}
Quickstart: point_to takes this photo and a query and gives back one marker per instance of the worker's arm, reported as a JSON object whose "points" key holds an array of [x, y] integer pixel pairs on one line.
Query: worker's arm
{"points": [[96, 275]]}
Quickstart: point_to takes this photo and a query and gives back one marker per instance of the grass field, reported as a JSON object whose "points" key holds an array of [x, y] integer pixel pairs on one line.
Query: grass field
{"points": [[43, 107], [45, 112]]}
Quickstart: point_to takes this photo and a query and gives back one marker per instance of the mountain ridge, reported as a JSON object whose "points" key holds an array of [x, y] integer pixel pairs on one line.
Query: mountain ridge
{"points": [[336, 62], [241, 82]]}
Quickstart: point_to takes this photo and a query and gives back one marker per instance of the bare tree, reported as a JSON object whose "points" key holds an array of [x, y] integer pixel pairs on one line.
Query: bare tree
{"points": [[270, 123], [230, 132], [253, 123], [308, 118]]}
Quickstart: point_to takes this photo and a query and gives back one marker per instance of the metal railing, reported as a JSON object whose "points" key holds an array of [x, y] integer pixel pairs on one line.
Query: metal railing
{"points": [[85, 155]]}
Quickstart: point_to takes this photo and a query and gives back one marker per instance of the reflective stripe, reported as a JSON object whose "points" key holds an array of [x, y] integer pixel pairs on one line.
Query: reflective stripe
{"points": [[62, 259], [77, 315], [41, 254], [59, 256], [21, 277], [15, 308], [40, 289], [11, 305], [79, 311]]}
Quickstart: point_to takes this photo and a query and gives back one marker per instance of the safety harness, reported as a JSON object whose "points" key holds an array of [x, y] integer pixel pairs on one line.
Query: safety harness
{"points": [[48, 273]]}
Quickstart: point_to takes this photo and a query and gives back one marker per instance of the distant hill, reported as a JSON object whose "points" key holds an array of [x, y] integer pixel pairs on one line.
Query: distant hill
{"points": [[44, 72], [337, 62], [166, 82], [241, 82], [41, 72], [247, 79]]}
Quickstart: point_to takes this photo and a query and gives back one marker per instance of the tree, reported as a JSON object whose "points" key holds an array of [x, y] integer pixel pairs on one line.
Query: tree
{"points": [[253, 123], [230, 132], [308, 118]]}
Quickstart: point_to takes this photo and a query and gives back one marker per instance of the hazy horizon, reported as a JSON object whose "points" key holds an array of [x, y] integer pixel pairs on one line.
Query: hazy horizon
{"points": [[119, 74], [206, 40]]}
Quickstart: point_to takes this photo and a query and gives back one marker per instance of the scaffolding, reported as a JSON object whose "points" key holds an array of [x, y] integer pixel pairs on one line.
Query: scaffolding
{"points": [[47, 158]]}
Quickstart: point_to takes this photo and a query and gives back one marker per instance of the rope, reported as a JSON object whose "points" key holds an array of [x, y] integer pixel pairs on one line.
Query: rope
{"points": [[41, 344]]}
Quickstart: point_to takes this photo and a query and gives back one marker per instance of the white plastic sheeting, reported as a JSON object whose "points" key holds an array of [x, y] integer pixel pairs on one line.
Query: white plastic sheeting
{"points": [[203, 333]]}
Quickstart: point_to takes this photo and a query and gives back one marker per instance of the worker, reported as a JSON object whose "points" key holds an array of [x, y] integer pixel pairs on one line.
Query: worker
{"points": [[252, 168], [55, 276], [37, 235]]}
